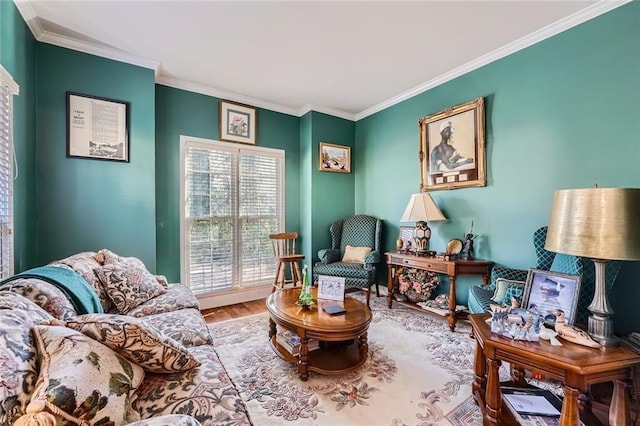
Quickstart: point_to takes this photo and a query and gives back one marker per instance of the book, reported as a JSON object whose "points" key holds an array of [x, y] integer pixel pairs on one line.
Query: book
{"points": [[531, 401], [334, 309], [291, 342]]}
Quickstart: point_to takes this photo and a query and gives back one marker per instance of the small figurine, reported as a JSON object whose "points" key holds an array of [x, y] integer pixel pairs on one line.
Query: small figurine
{"points": [[467, 248], [571, 333]]}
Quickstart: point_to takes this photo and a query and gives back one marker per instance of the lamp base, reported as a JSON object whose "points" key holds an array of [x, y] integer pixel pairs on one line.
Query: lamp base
{"points": [[421, 235], [600, 325]]}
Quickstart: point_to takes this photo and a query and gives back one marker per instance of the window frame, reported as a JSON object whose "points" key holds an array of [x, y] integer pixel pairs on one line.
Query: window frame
{"points": [[185, 143]]}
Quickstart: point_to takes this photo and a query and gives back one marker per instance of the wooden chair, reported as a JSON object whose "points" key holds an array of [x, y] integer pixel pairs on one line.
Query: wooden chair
{"points": [[284, 250]]}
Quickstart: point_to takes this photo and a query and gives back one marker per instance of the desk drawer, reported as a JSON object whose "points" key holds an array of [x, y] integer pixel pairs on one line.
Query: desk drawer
{"points": [[426, 264]]}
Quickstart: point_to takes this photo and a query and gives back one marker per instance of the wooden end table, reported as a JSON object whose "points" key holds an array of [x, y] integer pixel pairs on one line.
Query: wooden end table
{"points": [[317, 324], [576, 367], [451, 268]]}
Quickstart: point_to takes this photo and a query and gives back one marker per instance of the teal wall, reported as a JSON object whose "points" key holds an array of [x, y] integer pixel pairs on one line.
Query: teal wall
{"points": [[18, 57], [564, 113], [179, 112], [87, 204]]}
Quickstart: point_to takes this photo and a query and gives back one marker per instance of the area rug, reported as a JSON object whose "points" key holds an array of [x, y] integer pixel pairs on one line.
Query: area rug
{"points": [[417, 373]]}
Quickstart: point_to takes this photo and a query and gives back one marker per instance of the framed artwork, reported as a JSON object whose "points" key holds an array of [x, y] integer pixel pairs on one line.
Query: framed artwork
{"points": [[335, 158], [452, 147], [406, 235], [331, 288], [97, 128], [238, 123], [547, 290]]}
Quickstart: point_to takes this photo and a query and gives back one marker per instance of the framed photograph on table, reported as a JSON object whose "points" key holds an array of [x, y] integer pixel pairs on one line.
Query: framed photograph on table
{"points": [[237, 123], [330, 288], [547, 290], [97, 128], [452, 147], [334, 158]]}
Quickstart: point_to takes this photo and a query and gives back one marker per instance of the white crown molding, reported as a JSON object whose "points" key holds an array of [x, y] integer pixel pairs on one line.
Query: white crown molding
{"points": [[224, 94], [326, 110], [557, 27], [6, 79]]}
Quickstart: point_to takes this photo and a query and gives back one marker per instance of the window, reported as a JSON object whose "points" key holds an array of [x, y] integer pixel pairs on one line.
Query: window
{"points": [[232, 199], [8, 88]]}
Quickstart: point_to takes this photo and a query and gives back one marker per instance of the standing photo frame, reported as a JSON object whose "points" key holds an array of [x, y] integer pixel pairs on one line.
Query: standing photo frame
{"points": [[547, 290], [452, 147], [97, 128], [334, 158], [331, 288], [237, 123]]}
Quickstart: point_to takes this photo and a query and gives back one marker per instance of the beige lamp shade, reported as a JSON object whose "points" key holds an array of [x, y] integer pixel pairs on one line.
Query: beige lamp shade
{"points": [[421, 207], [598, 223]]}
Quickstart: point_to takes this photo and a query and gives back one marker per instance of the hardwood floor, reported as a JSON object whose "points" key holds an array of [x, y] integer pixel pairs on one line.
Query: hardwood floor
{"points": [[234, 311]]}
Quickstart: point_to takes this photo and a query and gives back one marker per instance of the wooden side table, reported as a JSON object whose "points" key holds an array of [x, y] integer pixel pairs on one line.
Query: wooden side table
{"points": [[451, 268], [576, 367]]}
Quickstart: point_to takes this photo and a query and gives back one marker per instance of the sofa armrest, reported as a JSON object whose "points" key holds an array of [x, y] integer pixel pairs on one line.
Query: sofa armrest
{"points": [[329, 255]]}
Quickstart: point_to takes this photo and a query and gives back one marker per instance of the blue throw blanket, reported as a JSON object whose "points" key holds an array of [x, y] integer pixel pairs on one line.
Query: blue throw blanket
{"points": [[77, 289]]}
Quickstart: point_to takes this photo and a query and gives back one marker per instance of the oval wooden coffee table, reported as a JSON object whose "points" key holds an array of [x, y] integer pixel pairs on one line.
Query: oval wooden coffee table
{"points": [[317, 324]]}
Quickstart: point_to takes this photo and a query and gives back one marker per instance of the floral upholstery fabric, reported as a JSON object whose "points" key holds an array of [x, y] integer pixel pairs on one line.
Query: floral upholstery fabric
{"points": [[85, 265], [176, 297], [128, 283], [185, 326], [136, 341], [18, 370], [82, 380], [46, 295], [205, 392], [171, 419]]}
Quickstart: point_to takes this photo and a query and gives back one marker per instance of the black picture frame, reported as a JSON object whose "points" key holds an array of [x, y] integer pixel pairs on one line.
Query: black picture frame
{"points": [[547, 290], [97, 128]]}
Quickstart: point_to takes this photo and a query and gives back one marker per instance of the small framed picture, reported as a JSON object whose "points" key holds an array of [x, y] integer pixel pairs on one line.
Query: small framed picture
{"points": [[238, 123], [331, 288], [97, 128], [547, 290], [334, 158]]}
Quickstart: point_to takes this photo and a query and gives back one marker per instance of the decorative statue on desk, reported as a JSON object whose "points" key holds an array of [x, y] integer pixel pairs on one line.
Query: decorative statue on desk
{"points": [[306, 299], [467, 248]]}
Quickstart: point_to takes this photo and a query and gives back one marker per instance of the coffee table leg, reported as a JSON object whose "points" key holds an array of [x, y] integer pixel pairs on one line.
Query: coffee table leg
{"points": [[272, 328], [570, 408], [363, 344], [493, 408], [303, 362]]}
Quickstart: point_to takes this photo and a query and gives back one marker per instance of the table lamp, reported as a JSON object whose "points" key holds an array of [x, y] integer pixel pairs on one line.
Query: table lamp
{"points": [[421, 208], [601, 224]]}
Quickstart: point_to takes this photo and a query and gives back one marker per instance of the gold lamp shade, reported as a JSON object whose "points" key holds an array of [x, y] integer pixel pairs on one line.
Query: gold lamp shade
{"points": [[598, 223], [601, 224]]}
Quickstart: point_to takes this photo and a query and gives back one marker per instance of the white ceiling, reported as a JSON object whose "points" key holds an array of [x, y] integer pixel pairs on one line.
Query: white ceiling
{"points": [[348, 59]]}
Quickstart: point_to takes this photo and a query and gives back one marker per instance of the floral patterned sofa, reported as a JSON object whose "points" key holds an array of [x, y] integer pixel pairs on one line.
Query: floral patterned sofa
{"points": [[143, 356]]}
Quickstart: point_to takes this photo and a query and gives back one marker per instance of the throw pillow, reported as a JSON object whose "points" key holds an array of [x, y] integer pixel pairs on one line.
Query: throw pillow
{"points": [[81, 381], [136, 341], [128, 283], [502, 284], [106, 256], [355, 254]]}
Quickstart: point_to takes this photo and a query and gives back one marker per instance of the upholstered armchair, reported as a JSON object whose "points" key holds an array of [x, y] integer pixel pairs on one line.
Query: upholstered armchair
{"points": [[513, 280], [358, 232]]}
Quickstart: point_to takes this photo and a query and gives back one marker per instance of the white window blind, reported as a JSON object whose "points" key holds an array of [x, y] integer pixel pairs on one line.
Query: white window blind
{"points": [[233, 199], [8, 88]]}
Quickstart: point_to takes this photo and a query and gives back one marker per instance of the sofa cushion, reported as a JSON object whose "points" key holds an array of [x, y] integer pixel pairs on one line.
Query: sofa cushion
{"points": [[355, 254], [46, 295], [85, 264], [128, 283], [185, 326], [82, 378], [177, 297], [502, 286], [136, 341], [205, 392], [18, 369], [513, 291]]}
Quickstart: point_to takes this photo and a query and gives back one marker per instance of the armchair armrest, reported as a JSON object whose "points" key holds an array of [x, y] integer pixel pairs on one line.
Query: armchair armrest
{"points": [[371, 259], [329, 255]]}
